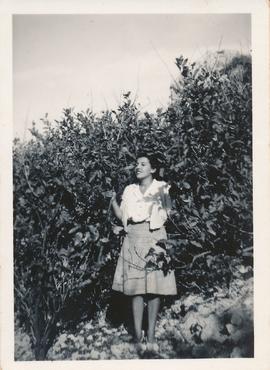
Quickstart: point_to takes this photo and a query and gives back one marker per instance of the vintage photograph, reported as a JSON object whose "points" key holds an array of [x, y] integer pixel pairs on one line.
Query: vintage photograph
{"points": [[132, 186]]}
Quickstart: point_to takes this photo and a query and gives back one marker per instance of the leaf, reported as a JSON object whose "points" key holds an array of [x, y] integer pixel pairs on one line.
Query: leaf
{"points": [[198, 118], [117, 229], [22, 201], [104, 240], [195, 212], [64, 217], [78, 238], [65, 262], [128, 168], [87, 237], [241, 269], [63, 252], [203, 236], [58, 181], [74, 229], [209, 260], [93, 177], [165, 243], [84, 148], [212, 209], [161, 172], [197, 244], [94, 232], [73, 181], [40, 190], [186, 185], [209, 227]]}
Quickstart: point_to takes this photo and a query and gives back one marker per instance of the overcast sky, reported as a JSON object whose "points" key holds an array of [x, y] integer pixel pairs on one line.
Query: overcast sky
{"points": [[86, 61]]}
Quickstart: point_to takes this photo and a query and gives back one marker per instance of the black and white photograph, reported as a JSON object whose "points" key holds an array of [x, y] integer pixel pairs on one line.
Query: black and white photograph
{"points": [[133, 187]]}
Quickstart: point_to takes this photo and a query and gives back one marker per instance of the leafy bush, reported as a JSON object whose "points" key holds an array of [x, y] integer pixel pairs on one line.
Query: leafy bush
{"points": [[66, 240], [211, 158]]}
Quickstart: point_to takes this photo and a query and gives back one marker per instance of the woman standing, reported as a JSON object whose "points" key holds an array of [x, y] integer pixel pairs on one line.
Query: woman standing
{"points": [[143, 212]]}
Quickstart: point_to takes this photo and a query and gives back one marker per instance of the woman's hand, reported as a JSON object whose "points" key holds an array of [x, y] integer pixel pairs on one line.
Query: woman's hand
{"points": [[110, 194], [113, 198], [115, 206]]}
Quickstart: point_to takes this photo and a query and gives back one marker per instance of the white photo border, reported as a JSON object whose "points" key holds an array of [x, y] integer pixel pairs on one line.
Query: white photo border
{"points": [[259, 10]]}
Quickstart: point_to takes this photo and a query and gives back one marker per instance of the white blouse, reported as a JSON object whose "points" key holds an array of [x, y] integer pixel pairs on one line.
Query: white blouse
{"points": [[152, 206]]}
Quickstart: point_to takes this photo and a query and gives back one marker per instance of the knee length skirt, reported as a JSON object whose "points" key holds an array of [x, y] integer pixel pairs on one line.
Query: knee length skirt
{"points": [[133, 274]]}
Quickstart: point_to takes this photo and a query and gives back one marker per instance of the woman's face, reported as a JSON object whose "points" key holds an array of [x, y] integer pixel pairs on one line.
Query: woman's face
{"points": [[143, 168]]}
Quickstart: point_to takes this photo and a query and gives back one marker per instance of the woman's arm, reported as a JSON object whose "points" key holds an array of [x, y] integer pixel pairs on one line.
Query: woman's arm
{"points": [[116, 208]]}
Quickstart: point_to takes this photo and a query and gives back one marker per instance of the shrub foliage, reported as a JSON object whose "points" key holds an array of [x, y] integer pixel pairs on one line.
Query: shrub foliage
{"points": [[66, 240]]}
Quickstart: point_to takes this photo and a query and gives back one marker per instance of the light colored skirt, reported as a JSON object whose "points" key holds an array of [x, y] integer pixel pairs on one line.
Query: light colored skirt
{"points": [[133, 275]]}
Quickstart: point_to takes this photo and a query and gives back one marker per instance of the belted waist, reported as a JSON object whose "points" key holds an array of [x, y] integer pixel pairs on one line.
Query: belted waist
{"points": [[131, 222]]}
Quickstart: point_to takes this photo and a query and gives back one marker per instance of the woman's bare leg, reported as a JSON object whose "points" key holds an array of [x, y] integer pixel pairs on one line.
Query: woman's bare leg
{"points": [[153, 308], [137, 309]]}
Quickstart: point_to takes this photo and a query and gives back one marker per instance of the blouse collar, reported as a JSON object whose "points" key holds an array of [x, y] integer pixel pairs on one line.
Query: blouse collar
{"points": [[152, 186]]}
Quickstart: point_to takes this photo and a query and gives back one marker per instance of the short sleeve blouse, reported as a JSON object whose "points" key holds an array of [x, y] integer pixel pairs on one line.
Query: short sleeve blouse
{"points": [[152, 206]]}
